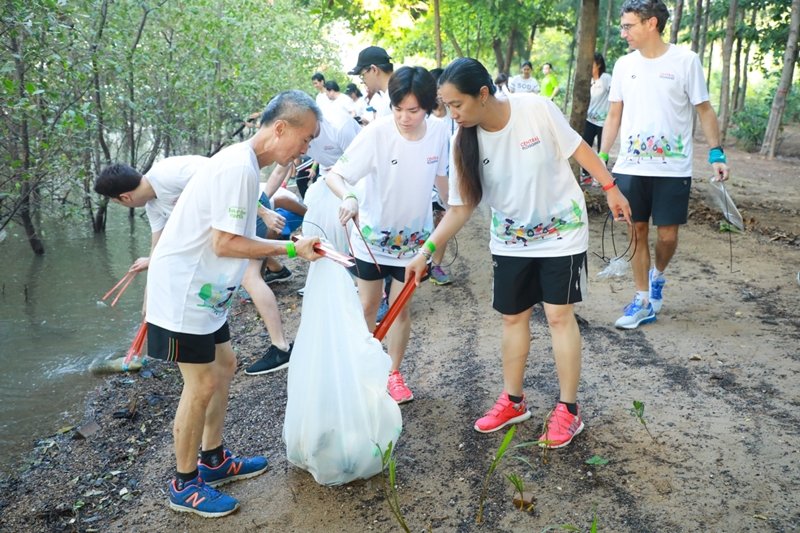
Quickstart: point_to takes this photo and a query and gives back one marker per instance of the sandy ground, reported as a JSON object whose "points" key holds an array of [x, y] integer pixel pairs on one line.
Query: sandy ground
{"points": [[718, 374]]}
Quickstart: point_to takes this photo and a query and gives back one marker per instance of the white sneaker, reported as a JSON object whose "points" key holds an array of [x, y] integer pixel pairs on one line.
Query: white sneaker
{"points": [[636, 313], [656, 286]]}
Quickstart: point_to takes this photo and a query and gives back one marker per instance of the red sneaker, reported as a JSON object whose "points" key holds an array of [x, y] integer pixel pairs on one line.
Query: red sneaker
{"points": [[397, 388], [562, 426], [504, 413]]}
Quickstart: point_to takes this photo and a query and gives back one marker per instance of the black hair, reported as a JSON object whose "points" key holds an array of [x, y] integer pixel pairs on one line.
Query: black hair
{"points": [[117, 179], [469, 76], [317, 76], [646, 9], [353, 88], [413, 80], [436, 72], [526, 64], [549, 65], [601, 62], [289, 106], [331, 86], [501, 78], [388, 68]]}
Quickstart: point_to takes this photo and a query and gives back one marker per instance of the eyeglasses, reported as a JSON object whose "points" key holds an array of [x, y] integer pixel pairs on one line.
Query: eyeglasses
{"points": [[627, 27], [364, 72]]}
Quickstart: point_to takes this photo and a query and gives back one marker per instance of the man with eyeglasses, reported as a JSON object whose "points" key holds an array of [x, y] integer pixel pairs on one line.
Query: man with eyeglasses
{"points": [[374, 67], [655, 91]]}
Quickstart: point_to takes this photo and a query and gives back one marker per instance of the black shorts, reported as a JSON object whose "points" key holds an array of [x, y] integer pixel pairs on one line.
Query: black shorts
{"points": [[666, 200], [369, 272], [184, 347], [522, 282]]}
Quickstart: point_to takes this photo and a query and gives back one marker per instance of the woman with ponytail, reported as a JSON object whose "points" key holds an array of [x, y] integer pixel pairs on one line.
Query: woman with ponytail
{"points": [[513, 154]]}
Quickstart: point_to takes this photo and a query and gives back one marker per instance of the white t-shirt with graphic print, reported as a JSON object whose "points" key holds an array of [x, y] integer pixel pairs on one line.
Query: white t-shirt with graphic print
{"points": [[537, 206], [189, 287], [395, 210], [168, 178], [518, 84], [658, 97]]}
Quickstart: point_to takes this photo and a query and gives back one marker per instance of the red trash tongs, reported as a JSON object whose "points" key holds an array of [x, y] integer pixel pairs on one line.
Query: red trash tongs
{"points": [[394, 310], [326, 250], [136, 345]]}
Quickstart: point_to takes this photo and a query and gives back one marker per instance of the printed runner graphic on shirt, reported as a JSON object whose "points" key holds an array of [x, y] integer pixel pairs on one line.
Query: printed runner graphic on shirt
{"points": [[393, 242], [514, 233], [216, 298], [653, 148]]}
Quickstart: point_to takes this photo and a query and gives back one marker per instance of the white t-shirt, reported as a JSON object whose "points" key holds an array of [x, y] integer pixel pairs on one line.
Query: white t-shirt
{"points": [[658, 97], [344, 102], [168, 179], [381, 103], [538, 208], [336, 131], [189, 287], [322, 100], [395, 210], [598, 103], [518, 84]]}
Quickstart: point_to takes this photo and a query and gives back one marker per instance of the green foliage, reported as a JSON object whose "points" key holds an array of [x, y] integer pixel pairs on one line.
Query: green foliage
{"points": [[596, 460], [498, 456], [749, 124], [389, 477], [638, 412]]}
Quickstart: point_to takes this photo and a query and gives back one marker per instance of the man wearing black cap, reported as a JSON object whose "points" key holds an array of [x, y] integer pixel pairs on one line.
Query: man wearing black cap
{"points": [[374, 67]]}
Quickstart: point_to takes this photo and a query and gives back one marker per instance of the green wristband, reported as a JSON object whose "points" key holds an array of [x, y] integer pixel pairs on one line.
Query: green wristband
{"points": [[430, 246], [291, 251], [350, 195], [603, 156]]}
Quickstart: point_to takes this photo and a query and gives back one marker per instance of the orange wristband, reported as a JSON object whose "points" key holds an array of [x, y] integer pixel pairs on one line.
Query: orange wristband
{"points": [[610, 185]]}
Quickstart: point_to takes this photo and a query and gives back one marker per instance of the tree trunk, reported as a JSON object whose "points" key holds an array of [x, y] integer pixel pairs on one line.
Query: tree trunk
{"points": [[609, 25], [498, 55], [512, 38], [96, 95], [454, 42], [746, 66], [779, 102], [737, 64], [696, 24], [725, 83], [131, 115], [437, 24], [587, 39], [568, 92], [704, 33], [25, 212], [676, 22]]}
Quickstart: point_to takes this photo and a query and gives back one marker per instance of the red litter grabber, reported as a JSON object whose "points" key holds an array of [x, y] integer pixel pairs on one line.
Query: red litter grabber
{"points": [[136, 346], [326, 250], [394, 310]]}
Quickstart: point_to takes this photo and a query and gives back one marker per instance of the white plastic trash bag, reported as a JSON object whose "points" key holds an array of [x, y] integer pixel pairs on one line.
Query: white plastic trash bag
{"points": [[322, 218], [338, 410]]}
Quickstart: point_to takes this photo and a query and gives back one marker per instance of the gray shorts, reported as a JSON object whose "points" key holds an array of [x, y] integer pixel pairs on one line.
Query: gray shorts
{"points": [[664, 199]]}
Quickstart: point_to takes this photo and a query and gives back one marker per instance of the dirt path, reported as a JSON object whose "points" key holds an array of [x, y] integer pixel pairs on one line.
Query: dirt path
{"points": [[718, 374]]}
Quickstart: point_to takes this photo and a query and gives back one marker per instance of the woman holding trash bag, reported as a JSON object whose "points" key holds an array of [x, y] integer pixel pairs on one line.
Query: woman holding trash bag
{"points": [[513, 153], [401, 156]]}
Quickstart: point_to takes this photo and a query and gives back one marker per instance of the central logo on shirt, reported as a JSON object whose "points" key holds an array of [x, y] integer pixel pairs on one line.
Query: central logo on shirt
{"points": [[667, 75], [529, 143], [433, 159], [486, 161], [394, 161]]}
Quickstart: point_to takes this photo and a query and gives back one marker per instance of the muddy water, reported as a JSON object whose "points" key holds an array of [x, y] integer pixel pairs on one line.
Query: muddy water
{"points": [[52, 325]]}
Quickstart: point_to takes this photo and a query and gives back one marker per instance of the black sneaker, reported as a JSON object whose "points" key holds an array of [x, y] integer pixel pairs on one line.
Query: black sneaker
{"points": [[281, 275], [275, 359]]}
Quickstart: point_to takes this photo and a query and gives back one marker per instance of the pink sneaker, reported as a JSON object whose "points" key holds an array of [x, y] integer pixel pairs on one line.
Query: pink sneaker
{"points": [[397, 388], [562, 426], [503, 413]]}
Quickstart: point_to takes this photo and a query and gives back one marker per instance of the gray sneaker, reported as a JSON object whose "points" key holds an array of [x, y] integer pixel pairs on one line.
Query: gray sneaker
{"points": [[636, 313], [281, 275]]}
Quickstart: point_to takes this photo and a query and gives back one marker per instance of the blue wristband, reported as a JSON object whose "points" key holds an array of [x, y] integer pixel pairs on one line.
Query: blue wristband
{"points": [[716, 155]]}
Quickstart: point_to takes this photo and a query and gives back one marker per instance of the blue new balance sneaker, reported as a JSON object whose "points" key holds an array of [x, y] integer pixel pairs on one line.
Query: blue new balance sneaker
{"points": [[232, 469], [199, 498], [636, 313]]}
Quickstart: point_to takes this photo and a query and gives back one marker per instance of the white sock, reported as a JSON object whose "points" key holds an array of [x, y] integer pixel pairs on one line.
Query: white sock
{"points": [[657, 273], [643, 296]]}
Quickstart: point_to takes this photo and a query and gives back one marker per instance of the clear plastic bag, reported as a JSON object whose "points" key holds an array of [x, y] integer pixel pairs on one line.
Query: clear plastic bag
{"points": [[618, 267], [719, 197], [338, 411]]}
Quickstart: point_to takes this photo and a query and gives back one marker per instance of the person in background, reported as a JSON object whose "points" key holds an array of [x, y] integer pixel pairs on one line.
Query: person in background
{"points": [[549, 82], [400, 157], [374, 67], [513, 155], [598, 108], [339, 99], [524, 82], [655, 91], [501, 82], [194, 273], [318, 81], [359, 102]]}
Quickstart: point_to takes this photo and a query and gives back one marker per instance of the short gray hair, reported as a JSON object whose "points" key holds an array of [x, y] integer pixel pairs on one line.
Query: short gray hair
{"points": [[289, 106]]}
